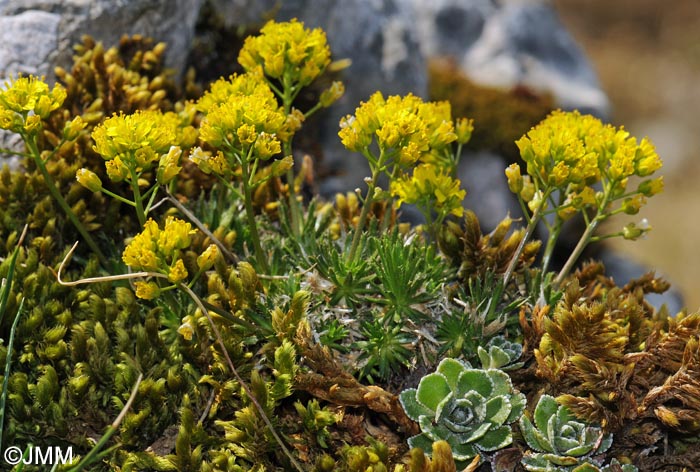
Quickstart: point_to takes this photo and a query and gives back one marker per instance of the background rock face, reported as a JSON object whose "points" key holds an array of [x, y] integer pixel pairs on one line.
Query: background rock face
{"points": [[38, 35]]}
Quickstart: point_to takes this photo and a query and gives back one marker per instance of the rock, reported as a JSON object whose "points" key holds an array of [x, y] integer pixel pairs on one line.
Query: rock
{"points": [[54, 26], [509, 43]]}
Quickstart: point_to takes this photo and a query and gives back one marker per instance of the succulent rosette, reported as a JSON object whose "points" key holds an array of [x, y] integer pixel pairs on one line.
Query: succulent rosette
{"points": [[469, 408]]}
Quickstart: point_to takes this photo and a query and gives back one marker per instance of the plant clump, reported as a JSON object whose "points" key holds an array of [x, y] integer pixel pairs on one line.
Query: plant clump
{"points": [[214, 316]]}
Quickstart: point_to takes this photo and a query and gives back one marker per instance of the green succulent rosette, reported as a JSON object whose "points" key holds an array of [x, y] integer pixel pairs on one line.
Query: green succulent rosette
{"points": [[469, 408]]}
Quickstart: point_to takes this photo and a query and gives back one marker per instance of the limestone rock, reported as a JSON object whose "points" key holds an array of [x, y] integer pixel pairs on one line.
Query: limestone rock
{"points": [[37, 35]]}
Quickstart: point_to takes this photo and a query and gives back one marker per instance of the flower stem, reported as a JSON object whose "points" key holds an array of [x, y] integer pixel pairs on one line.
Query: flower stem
{"points": [[53, 190], [140, 213], [250, 215], [600, 216], [364, 213]]}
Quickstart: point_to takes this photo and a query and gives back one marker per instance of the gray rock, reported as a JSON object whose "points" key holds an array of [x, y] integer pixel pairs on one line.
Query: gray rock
{"points": [[508, 43], [38, 35]]}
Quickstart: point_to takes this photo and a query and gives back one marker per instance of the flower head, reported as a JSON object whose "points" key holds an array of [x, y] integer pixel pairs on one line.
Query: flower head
{"points": [[430, 188], [26, 101], [287, 50]]}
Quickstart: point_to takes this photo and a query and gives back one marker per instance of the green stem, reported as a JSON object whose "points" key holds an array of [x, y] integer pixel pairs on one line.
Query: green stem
{"points": [[528, 234], [600, 216], [53, 190], [138, 199], [250, 215], [365, 212], [118, 197], [551, 243], [8, 366]]}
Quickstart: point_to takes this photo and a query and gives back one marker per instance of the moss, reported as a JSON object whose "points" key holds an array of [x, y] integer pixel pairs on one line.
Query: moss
{"points": [[500, 116]]}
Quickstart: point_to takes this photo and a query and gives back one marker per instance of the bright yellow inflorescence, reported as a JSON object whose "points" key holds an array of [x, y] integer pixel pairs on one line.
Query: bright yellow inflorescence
{"points": [[287, 51], [571, 152], [158, 250], [138, 142], [431, 188], [25, 101], [242, 117]]}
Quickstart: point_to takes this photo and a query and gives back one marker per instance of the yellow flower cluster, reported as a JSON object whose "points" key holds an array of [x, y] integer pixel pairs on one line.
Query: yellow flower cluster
{"points": [[413, 129], [242, 118], [570, 149], [140, 141], [431, 189], [25, 101], [287, 51], [158, 250]]}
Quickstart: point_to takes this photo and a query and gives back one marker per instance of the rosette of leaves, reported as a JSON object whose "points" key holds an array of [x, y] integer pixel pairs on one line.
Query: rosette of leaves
{"points": [[560, 441], [469, 408], [500, 354]]}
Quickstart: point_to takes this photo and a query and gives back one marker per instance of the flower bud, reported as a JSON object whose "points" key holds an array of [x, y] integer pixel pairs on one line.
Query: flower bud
{"points": [[89, 180], [464, 128], [515, 179], [73, 128], [528, 191], [536, 201], [168, 166], [206, 260], [332, 94], [632, 205], [651, 187], [147, 290]]}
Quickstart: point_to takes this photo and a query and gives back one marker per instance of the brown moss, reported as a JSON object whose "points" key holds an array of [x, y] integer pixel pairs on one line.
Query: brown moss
{"points": [[500, 116]]}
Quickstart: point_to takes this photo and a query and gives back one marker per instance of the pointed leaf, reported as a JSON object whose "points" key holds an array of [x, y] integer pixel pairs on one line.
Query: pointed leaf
{"points": [[432, 389], [411, 406], [497, 438]]}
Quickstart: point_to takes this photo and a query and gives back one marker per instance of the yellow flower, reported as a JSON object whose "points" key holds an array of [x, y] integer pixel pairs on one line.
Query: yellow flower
{"points": [[89, 180], [73, 128], [147, 290], [206, 259], [429, 187], [651, 187], [175, 235], [149, 132], [287, 49], [236, 112], [31, 94], [464, 128], [177, 273], [116, 170], [157, 250], [140, 254], [332, 94], [32, 125], [168, 166]]}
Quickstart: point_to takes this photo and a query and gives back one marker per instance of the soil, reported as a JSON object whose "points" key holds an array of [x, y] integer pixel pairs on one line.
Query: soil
{"points": [[647, 55]]}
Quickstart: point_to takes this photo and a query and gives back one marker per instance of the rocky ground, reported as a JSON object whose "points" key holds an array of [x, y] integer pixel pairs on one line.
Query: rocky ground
{"points": [[647, 55]]}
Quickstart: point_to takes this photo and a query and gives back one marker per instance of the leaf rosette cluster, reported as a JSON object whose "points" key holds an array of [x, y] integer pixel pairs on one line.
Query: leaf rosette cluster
{"points": [[469, 408]]}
